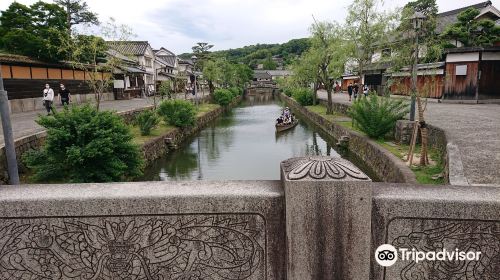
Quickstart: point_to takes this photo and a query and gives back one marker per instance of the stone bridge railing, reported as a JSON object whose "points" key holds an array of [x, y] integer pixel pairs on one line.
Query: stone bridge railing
{"points": [[323, 220]]}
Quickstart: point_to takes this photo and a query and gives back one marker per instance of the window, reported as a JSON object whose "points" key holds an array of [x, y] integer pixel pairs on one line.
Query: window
{"points": [[149, 62], [461, 70]]}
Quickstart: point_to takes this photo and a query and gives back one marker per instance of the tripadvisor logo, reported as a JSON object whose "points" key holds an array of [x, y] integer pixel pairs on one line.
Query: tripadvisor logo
{"points": [[387, 255]]}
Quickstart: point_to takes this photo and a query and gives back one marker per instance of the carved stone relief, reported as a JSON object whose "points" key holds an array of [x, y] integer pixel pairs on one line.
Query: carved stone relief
{"points": [[226, 246]]}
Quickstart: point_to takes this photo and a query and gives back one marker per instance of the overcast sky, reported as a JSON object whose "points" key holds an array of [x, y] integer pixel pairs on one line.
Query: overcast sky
{"points": [[179, 24]]}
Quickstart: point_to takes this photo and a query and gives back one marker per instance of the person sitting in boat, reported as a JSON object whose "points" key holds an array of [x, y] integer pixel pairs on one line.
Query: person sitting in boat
{"points": [[279, 120], [286, 112]]}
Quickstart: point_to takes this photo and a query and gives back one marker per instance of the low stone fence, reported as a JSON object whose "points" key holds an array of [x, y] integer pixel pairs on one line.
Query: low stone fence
{"points": [[325, 219], [385, 165], [34, 104]]}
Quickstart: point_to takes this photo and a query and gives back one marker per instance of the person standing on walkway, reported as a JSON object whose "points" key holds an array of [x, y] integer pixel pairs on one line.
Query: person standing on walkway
{"points": [[64, 95], [365, 90], [355, 90], [349, 90], [48, 98]]}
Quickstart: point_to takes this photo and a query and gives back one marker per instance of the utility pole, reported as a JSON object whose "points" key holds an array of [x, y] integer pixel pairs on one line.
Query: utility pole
{"points": [[10, 150]]}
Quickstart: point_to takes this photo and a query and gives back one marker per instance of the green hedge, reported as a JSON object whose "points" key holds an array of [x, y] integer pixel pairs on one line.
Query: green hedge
{"points": [[223, 96], [303, 96], [180, 113]]}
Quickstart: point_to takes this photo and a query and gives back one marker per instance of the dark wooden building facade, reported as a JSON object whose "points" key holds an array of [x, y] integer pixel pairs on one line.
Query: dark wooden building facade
{"points": [[26, 78], [472, 74]]}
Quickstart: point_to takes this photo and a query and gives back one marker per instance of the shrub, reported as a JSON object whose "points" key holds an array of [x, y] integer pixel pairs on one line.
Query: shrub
{"points": [[85, 145], [304, 96], [146, 121], [165, 89], [376, 115], [180, 113], [223, 96], [236, 91], [288, 91]]}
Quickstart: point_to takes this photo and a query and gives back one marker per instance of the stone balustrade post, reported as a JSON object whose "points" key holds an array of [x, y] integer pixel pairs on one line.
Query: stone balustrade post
{"points": [[328, 216]]}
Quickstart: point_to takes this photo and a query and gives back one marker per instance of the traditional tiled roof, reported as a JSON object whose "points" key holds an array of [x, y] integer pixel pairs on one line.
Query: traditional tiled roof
{"points": [[129, 47], [169, 60], [450, 17], [261, 75], [25, 60]]}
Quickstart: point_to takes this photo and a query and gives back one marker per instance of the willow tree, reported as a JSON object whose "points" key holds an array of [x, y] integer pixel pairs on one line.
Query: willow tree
{"points": [[306, 71], [328, 53], [366, 28]]}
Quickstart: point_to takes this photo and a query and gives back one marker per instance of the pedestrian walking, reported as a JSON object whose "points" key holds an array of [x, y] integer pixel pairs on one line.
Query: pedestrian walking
{"points": [[365, 90], [355, 90], [64, 95], [349, 90], [337, 87], [48, 98]]}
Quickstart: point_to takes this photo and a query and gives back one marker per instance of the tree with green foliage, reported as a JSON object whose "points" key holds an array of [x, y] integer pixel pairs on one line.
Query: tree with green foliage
{"points": [[88, 52], [366, 28], [84, 145], [202, 52], [306, 71], [77, 12], [36, 31], [211, 74], [408, 49], [471, 32], [330, 52], [377, 115], [269, 64], [177, 112], [303, 96], [166, 89], [242, 74]]}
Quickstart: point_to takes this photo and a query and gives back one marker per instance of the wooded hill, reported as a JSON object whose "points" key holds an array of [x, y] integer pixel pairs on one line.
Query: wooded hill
{"points": [[262, 53]]}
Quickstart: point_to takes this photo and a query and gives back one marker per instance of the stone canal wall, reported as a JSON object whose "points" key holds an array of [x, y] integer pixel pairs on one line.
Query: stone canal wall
{"points": [[386, 166], [325, 219], [159, 146]]}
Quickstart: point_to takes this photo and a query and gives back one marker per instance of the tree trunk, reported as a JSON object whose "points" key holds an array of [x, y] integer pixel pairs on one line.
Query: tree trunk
{"points": [[210, 87], [329, 106], [424, 160], [315, 93]]}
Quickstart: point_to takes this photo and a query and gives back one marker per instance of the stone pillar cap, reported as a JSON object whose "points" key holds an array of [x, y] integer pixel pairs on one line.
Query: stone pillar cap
{"points": [[323, 168]]}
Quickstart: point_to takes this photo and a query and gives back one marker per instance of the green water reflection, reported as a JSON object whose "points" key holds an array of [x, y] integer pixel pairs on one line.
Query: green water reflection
{"points": [[241, 145]]}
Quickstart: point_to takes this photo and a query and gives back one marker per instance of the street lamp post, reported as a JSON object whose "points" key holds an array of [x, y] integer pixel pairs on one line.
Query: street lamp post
{"points": [[10, 150], [417, 20], [194, 58]]}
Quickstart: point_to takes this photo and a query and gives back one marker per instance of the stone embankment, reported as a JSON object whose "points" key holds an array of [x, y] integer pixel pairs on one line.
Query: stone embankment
{"points": [[386, 166], [159, 146]]}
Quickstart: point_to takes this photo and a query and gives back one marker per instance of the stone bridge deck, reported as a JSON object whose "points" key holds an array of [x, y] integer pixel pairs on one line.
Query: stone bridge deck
{"points": [[473, 128]]}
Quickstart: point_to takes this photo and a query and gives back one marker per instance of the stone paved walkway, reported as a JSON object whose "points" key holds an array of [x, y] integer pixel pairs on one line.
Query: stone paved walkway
{"points": [[473, 128], [23, 124]]}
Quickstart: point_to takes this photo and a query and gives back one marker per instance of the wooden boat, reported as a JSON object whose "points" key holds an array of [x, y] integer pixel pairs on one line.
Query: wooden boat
{"points": [[282, 127]]}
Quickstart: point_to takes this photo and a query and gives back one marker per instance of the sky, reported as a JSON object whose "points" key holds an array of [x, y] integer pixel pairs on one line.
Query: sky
{"points": [[178, 24]]}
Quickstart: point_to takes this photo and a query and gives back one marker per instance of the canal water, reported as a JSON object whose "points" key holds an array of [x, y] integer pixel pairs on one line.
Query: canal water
{"points": [[242, 145]]}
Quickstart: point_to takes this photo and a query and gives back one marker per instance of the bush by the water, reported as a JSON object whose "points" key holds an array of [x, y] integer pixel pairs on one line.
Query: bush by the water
{"points": [[236, 91], [146, 121], [180, 113], [377, 115], [288, 91], [85, 145], [223, 96], [304, 96]]}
